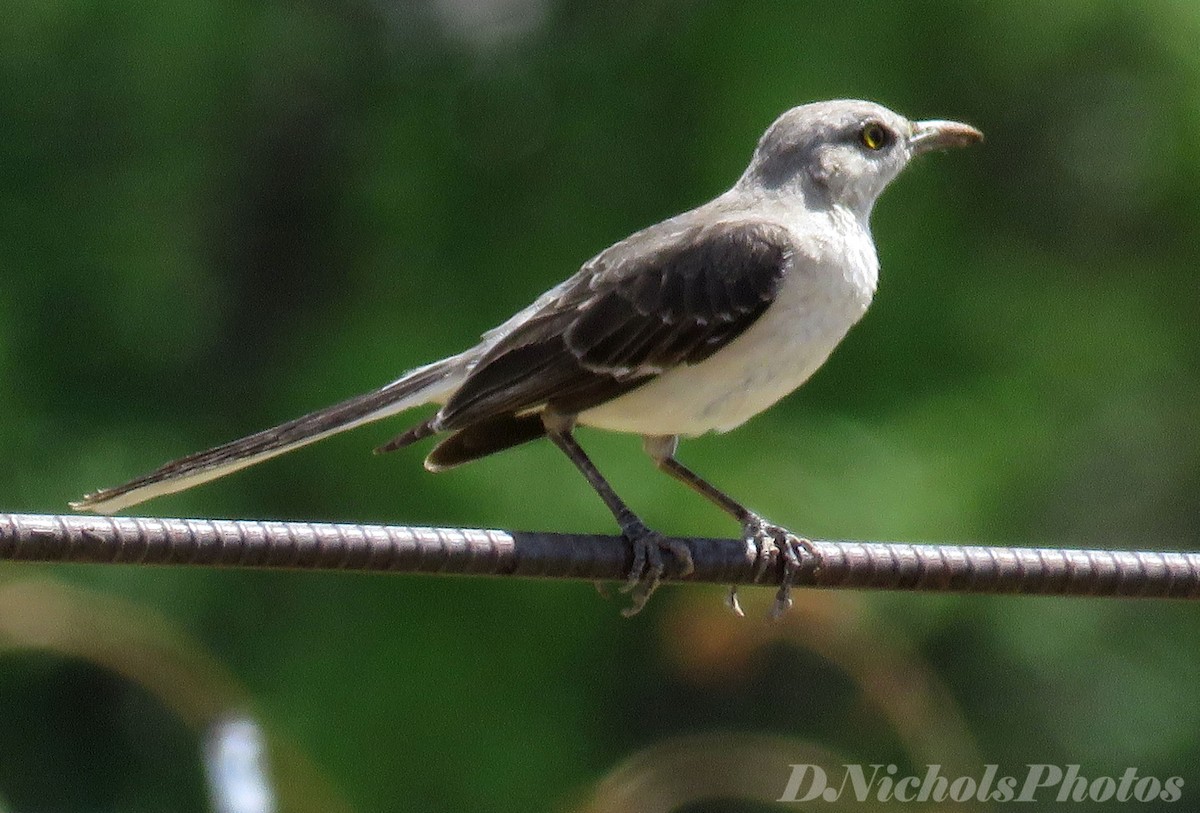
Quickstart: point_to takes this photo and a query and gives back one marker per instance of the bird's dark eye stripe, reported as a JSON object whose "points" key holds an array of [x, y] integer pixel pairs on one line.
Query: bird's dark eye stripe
{"points": [[874, 136]]}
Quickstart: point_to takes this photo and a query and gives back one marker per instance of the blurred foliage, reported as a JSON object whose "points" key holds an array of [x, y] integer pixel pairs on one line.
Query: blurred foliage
{"points": [[216, 216]]}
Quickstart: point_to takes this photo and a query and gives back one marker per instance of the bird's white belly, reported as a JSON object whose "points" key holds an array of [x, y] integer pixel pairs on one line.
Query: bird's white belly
{"points": [[817, 305]]}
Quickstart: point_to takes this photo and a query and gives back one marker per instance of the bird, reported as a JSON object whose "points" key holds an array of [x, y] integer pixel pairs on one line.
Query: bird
{"points": [[692, 325]]}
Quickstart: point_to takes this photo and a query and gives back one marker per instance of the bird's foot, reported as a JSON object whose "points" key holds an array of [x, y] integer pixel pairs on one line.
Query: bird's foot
{"points": [[767, 538], [648, 566]]}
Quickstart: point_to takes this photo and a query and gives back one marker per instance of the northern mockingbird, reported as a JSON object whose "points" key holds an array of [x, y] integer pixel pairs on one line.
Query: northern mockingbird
{"points": [[689, 326]]}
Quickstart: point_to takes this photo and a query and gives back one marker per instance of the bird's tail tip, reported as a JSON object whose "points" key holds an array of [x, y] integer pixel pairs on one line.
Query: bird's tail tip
{"points": [[95, 502]]}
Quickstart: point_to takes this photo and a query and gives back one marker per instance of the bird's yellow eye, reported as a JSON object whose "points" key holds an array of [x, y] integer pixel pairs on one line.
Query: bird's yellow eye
{"points": [[874, 136]]}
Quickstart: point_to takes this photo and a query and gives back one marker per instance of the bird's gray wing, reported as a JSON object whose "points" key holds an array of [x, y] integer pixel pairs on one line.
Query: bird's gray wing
{"points": [[644, 306]]}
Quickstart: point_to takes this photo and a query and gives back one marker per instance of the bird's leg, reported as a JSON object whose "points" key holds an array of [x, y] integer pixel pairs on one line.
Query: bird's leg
{"points": [[648, 567], [758, 532]]}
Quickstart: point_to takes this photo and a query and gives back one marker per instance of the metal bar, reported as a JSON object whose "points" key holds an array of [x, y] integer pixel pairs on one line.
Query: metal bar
{"points": [[402, 549]]}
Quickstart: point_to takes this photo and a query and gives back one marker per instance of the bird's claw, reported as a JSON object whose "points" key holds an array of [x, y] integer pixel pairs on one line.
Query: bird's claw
{"points": [[731, 601], [766, 539], [648, 566], [793, 562]]}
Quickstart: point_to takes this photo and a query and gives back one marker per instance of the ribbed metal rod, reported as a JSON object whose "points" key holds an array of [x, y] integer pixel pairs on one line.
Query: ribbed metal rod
{"points": [[401, 549]]}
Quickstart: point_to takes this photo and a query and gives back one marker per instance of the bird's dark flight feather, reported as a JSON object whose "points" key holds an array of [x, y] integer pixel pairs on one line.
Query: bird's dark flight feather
{"points": [[484, 438]]}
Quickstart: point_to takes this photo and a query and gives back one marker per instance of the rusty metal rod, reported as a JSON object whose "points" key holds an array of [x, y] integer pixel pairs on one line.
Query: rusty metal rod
{"points": [[401, 549]]}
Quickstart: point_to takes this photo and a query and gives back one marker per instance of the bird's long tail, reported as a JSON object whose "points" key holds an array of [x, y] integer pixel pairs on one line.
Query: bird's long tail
{"points": [[429, 384]]}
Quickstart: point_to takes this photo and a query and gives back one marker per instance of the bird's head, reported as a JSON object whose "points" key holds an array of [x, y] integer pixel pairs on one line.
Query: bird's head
{"points": [[845, 152]]}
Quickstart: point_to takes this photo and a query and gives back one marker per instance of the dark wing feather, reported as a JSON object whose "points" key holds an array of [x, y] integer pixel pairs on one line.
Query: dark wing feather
{"points": [[642, 307], [484, 438]]}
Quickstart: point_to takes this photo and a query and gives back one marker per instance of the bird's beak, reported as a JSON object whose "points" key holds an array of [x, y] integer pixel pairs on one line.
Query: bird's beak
{"points": [[928, 136]]}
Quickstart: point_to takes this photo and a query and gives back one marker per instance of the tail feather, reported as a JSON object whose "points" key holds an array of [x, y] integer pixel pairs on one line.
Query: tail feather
{"points": [[409, 436], [420, 386]]}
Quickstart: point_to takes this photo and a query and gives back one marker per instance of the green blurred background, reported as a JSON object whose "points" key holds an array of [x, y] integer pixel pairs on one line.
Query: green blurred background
{"points": [[215, 216]]}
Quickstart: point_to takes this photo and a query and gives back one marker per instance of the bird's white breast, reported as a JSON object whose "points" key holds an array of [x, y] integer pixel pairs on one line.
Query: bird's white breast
{"points": [[826, 289]]}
